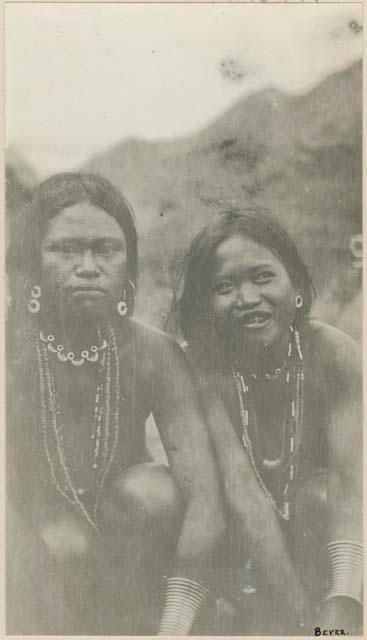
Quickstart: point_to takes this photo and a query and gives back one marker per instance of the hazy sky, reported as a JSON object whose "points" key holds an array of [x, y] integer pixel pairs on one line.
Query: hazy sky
{"points": [[80, 78]]}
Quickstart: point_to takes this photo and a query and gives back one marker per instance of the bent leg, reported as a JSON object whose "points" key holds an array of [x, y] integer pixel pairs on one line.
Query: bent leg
{"points": [[141, 518], [50, 580], [71, 548], [265, 612]]}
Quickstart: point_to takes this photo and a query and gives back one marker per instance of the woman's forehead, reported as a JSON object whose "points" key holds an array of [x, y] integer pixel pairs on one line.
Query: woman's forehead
{"points": [[244, 250], [83, 220]]}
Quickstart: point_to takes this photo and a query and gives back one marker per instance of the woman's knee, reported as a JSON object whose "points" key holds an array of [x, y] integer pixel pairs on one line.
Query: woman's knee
{"points": [[145, 494], [66, 540]]}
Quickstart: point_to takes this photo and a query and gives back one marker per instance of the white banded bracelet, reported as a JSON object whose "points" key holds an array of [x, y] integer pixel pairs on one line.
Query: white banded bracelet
{"points": [[345, 570], [184, 598]]}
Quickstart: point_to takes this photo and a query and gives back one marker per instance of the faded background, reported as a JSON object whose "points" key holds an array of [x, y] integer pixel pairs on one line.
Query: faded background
{"points": [[190, 109]]}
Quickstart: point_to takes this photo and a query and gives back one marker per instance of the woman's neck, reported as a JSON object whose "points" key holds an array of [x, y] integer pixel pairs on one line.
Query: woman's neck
{"points": [[76, 334], [262, 359]]}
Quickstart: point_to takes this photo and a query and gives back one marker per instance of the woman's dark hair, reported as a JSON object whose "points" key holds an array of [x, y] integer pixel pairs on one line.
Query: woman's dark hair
{"points": [[192, 286], [59, 192]]}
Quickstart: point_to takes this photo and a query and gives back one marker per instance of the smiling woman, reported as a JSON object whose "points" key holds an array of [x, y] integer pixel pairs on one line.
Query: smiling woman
{"points": [[100, 523], [281, 394]]}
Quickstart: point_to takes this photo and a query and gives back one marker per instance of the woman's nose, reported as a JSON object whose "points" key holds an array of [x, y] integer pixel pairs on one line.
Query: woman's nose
{"points": [[248, 295], [87, 265]]}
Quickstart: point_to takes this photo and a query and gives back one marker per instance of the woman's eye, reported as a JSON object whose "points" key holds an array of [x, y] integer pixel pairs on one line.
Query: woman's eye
{"points": [[68, 248], [264, 277], [223, 288], [105, 251]]}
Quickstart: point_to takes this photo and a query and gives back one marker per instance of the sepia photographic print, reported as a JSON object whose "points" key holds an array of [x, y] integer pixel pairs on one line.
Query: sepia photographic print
{"points": [[183, 191]]}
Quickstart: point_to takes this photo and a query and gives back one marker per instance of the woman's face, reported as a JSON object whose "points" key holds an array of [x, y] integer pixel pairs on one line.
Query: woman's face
{"points": [[83, 260], [252, 296]]}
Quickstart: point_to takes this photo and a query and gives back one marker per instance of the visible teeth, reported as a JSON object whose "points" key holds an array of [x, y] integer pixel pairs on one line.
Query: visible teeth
{"points": [[255, 319]]}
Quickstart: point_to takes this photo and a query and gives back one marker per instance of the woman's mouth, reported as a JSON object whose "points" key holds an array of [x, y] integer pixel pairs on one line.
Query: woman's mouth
{"points": [[255, 319], [88, 291]]}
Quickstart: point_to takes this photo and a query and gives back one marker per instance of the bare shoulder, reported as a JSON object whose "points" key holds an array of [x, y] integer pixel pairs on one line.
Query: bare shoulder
{"points": [[155, 348], [150, 337], [333, 349]]}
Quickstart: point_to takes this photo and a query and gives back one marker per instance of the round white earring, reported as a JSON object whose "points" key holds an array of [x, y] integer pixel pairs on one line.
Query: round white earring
{"points": [[122, 308], [34, 304], [299, 301], [36, 291]]}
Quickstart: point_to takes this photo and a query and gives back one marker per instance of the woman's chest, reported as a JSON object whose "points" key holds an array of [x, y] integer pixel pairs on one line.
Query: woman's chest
{"points": [[81, 428], [269, 412]]}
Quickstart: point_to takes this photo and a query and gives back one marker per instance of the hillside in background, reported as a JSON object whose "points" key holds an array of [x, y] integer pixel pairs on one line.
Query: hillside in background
{"points": [[301, 157]]}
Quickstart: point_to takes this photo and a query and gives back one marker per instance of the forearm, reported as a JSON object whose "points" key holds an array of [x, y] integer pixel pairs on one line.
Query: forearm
{"points": [[188, 585], [201, 534], [345, 520], [342, 606]]}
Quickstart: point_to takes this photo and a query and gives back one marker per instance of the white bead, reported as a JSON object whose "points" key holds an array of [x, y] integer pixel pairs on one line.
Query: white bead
{"points": [[77, 363], [93, 358], [62, 357]]}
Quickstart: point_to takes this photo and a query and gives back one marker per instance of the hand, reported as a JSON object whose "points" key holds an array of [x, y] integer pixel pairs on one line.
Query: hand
{"points": [[341, 613]]}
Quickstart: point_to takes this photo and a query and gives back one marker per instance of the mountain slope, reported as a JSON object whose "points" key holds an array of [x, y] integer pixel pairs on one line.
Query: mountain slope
{"points": [[300, 156]]}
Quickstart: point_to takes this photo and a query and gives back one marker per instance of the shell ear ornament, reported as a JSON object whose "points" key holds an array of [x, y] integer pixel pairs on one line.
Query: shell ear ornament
{"points": [[122, 306], [299, 301], [34, 304]]}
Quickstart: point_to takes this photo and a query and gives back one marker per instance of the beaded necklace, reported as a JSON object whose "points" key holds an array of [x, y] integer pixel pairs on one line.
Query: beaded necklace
{"points": [[90, 355], [105, 430], [291, 426]]}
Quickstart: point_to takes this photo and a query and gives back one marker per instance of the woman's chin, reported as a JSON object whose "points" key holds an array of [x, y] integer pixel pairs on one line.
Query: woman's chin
{"points": [[90, 311], [265, 339]]}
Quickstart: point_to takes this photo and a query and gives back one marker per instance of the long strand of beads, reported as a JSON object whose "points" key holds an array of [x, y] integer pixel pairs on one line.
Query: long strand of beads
{"points": [[107, 406], [293, 422], [248, 446], [96, 436], [44, 425], [116, 415], [276, 462], [48, 386], [102, 417]]}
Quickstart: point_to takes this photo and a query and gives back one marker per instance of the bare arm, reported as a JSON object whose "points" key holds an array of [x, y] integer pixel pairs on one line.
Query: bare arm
{"points": [[345, 444], [191, 460], [345, 461]]}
